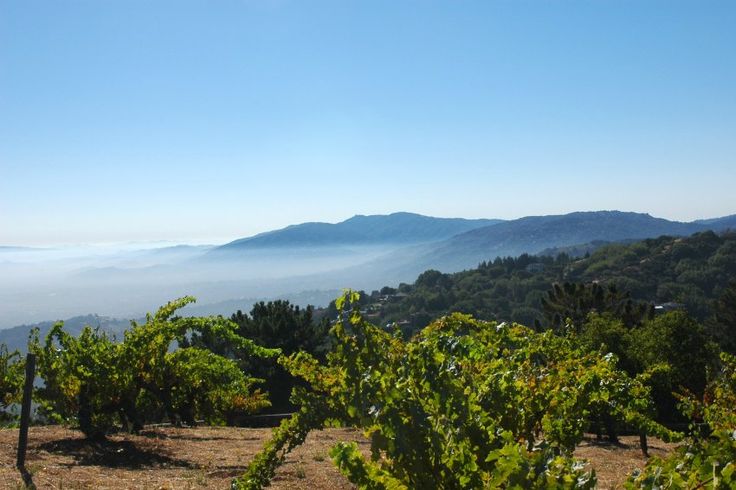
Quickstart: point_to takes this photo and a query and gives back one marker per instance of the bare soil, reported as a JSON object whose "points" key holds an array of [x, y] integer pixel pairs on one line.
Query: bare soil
{"points": [[209, 457], [613, 463]]}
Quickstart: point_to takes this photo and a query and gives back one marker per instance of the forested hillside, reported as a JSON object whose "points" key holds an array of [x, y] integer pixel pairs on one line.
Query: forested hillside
{"points": [[693, 272]]}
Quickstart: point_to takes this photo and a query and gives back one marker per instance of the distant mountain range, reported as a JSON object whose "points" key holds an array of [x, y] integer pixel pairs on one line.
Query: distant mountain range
{"points": [[392, 229], [422, 242], [726, 222], [511, 237], [362, 252], [533, 234]]}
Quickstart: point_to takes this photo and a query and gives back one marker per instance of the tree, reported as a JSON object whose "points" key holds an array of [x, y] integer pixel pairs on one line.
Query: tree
{"points": [[280, 324], [676, 340], [722, 324], [708, 458], [573, 301]]}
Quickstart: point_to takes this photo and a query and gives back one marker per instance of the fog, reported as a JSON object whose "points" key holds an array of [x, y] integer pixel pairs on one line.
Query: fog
{"points": [[128, 280]]}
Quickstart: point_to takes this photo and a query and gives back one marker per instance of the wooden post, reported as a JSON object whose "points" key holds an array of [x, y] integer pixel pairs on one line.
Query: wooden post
{"points": [[643, 443], [25, 411]]}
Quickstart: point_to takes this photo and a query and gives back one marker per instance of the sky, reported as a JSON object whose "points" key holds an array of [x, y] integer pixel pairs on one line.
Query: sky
{"points": [[198, 121]]}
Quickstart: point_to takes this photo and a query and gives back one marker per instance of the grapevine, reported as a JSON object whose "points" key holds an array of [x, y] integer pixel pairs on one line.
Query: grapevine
{"points": [[463, 404]]}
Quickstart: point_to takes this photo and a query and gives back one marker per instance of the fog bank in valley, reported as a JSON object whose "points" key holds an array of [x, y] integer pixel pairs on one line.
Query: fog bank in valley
{"points": [[126, 281]]}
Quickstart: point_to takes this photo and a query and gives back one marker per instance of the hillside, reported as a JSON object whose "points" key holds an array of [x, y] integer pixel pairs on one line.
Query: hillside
{"points": [[723, 223], [692, 271], [578, 232], [396, 229], [533, 234]]}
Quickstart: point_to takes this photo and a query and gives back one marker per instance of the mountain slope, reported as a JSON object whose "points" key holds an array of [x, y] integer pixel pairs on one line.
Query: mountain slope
{"points": [[718, 224], [530, 235], [652, 270], [536, 233], [392, 229]]}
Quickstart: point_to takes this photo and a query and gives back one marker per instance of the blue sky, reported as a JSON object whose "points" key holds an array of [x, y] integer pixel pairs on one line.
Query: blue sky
{"points": [[205, 121]]}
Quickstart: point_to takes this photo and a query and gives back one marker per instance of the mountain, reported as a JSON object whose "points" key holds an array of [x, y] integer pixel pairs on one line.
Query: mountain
{"points": [[532, 235], [575, 233], [363, 252], [392, 229], [719, 224]]}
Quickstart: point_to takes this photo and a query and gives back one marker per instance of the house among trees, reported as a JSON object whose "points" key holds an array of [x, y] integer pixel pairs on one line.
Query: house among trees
{"points": [[669, 306]]}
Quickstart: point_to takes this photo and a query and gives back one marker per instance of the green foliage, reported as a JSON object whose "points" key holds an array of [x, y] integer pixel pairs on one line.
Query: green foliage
{"points": [[708, 460], [693, 271], [100, 384], [289, 328], [274, 324], [571, 302], [204, 384], [463, 404], [722, 324], [279, 324], [82, 378], [351, 462], [671, 350], [621, 281], [12, 377], [678, 341]]}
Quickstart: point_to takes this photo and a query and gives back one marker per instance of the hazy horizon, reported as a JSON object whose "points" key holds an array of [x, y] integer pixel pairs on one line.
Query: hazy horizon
{"points": [[309, 263], [143, 244]]}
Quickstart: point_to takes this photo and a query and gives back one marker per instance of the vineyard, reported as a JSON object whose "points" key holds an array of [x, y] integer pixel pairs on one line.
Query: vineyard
{"points": [[461, 404], [368, 245]]}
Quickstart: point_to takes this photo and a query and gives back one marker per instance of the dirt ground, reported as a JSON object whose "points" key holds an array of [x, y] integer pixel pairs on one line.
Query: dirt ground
{"points": [[614, 462], [209, 457]]}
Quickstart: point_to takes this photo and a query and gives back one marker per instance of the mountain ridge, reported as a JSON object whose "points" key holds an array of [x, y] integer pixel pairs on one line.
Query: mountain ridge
{"points": [[133, 282], [532, 235], [395, 228]]}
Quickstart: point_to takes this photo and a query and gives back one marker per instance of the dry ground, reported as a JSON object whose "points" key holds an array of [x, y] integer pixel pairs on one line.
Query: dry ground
{"points": [[209, 457]]}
